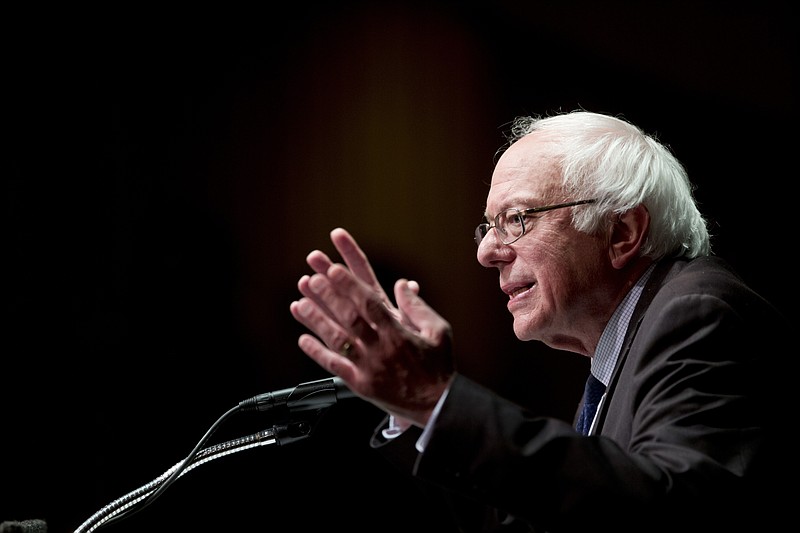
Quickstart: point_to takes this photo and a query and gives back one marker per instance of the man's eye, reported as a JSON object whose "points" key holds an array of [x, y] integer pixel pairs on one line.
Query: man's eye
{"points": [[516, 219]]}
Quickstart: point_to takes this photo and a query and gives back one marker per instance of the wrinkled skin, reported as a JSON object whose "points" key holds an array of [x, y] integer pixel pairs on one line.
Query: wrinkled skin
{"points": [[401, 359]]}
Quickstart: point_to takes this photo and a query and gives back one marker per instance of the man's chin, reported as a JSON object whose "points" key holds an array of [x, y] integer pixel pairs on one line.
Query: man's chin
{"points": [[523, 330]]}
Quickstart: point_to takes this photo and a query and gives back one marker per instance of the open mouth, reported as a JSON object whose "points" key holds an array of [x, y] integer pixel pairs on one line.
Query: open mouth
{"points": [[519, 290]]}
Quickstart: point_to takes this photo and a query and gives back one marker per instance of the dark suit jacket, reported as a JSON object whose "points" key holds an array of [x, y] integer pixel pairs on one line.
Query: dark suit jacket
{"points": [[691, 436]]}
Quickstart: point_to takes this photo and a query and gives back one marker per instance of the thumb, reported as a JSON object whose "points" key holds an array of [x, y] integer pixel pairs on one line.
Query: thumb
{"points": [[416, 313]]}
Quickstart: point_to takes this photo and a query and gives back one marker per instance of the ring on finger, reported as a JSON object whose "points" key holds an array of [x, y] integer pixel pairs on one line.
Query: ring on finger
{"points": [[346, 349]]}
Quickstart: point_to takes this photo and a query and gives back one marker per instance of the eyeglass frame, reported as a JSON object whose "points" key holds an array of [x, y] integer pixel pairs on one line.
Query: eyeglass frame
{"points": [[480, 234]]}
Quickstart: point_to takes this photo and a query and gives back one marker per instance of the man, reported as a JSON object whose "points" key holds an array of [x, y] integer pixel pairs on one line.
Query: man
{"points": [[602, 251]]}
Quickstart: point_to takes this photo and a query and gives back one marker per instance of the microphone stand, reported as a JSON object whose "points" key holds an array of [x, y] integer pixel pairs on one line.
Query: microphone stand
{"points": [[280, 434]]}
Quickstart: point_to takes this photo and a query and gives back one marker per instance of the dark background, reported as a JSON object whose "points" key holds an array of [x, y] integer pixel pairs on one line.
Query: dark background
{"points": [[167, 173]]}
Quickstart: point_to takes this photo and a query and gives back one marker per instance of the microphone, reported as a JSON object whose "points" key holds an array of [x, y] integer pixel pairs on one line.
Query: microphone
{"points": [[309, 396]]}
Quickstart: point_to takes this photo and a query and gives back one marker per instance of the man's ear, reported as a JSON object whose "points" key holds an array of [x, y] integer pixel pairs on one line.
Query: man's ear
{"points": [[627, 235]]}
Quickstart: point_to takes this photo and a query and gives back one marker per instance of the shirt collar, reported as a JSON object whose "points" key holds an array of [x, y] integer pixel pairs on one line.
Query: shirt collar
{"points": [[610, 343]]}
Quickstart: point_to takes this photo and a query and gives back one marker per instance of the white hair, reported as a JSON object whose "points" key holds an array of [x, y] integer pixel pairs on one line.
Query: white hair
{"points": [[612, 160]]}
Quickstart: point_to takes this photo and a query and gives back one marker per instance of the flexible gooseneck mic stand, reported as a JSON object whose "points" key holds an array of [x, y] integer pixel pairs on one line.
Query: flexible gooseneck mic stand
{"points": [[305, 404]]}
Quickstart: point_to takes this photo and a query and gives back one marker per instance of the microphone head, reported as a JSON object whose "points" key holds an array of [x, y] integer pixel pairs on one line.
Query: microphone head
{"points": [[309, 396]]}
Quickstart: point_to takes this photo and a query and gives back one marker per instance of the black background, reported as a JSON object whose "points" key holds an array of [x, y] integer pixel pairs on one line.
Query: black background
{"points": [[167, 173]]}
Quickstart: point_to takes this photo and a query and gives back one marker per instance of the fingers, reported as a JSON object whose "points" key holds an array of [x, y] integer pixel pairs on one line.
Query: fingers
{"points": [[355, 258], [334, 312], [339, 345], [356, 333], [329, 360], [417, 314], [410, 289], [318, 261], [347, 298], [360, 308], [332, 315], [304, 285]]}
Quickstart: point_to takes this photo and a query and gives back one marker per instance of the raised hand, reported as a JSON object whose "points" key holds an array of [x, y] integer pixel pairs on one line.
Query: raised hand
{"points": [[399, 358]]}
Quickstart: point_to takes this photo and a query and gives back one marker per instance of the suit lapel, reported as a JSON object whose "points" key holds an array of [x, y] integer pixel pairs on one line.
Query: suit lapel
{"points": [[662, 270]]}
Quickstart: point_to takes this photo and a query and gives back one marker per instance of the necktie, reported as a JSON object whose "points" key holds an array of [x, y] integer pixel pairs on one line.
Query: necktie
{"points": [[591, 398]]}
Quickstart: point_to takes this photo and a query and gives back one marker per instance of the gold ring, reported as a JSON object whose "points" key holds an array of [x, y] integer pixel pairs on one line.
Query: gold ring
{"points": [[346, 348]]}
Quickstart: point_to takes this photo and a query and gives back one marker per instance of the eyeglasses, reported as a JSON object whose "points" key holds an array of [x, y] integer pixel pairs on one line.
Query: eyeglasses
{"points": [[510, 223]]}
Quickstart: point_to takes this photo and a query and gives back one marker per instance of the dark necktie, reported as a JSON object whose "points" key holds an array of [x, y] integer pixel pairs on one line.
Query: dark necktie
{"points": [[591, 398]]}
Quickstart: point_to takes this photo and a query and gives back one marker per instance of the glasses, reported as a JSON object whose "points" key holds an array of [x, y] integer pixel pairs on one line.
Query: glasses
{"points": [[510, 224]]}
